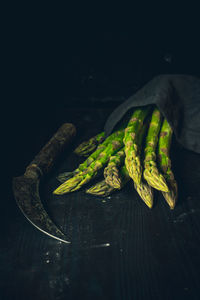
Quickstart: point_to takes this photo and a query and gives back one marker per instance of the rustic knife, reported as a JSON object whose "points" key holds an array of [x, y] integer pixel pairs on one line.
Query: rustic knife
{"points": [[26, 187]]}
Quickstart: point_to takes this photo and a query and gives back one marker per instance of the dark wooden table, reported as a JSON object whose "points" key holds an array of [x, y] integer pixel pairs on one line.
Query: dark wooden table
{"points": [[120, 249]]}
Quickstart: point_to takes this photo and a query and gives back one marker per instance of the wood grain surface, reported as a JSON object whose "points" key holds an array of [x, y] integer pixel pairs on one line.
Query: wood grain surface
{"points": [[120, 249]]}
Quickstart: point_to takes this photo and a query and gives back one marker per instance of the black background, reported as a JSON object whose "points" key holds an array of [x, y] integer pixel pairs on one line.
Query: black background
{"points": [[56, 58]]}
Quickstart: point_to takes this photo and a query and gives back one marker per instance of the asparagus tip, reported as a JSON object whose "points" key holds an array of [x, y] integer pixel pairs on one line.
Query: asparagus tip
{"points": [[155, 180]]}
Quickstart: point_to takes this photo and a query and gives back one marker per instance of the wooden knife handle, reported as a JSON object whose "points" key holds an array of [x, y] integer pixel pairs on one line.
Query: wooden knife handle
{"points": [[44, 160]]}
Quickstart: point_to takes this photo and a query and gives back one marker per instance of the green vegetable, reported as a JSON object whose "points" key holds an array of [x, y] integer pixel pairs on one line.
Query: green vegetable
{"points": [[164, 144], [103, 189], [98, 162], [131, 137], [85, 148], [111, 172], [151, 173]]}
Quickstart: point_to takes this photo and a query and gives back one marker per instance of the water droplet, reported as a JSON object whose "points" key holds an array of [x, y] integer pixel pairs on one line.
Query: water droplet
{"points": [[66, 280], [101, 245], [168, 57]]}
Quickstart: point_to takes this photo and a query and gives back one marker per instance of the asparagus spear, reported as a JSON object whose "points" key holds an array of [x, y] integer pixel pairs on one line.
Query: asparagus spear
{"points": [[62, 177], [83, 166], [103, 189], [164, 144], [111, 172], [143, 188], [146, 193], [151, 173], [85, 148], [132, 131], [85, 175]]}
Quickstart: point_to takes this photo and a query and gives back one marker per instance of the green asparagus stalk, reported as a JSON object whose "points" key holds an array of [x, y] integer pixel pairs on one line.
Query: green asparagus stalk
{"points": [[85, 148], [62, 177], [146, 193], [132, 132], [164, 144], [111, 172], [103, 189], [83, 166], [83, 177], [151, 173], [144, 190]]}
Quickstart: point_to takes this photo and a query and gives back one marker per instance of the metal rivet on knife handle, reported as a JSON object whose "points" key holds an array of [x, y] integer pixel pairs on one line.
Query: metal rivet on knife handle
{"points": [[26, 187]]}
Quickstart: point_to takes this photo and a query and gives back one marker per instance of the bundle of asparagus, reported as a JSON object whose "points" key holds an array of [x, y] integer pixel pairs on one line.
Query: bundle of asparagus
{"points": [[89, 168], [137, 152]]}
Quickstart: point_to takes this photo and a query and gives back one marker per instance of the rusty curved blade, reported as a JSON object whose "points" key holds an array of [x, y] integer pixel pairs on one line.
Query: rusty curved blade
{"points": [[26, 192]]}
